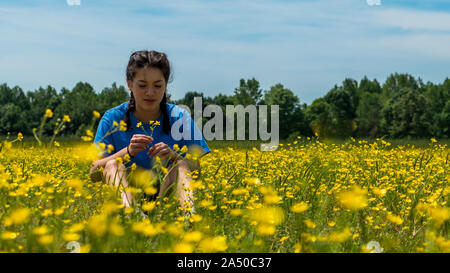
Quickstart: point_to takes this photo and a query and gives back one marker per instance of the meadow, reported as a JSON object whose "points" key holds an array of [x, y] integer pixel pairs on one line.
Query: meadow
{"points": [[310, 195]]}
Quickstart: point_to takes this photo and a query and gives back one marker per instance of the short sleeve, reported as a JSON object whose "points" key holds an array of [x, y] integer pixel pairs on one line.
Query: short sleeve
{"points": [[104, 126], [196, 139]]}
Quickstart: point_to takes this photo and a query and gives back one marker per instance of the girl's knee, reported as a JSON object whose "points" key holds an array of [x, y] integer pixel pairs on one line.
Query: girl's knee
{"points": [[111, 164]]}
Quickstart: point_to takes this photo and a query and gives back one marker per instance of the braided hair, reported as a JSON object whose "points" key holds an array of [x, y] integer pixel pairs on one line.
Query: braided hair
{"points": [[147, 59]]}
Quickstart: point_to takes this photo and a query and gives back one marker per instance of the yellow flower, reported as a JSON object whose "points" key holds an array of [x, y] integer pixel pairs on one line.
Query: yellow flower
{"points": [[75, 183], [66, 118], [236, 212], [176, 148], [19, 136], [86, 138], [126, 158], [193, 236], [119, 160], [433, 140], [148, 206], [45, 239], [48, 113], [41, 230], [267, 215], [339, 237], [266, 229], [89, 133], [96, 114], [184, 149], [123, 125], [71, 237], [284, 238], [150, 190], [9, 235], [17, 217], [439, 215], [47, 212], [214, 244], [299, 207], [309, 223], [394, 219], [110, 148], [139, 124], [353, 199], [97, 225], [183, 248], [115, 228]]}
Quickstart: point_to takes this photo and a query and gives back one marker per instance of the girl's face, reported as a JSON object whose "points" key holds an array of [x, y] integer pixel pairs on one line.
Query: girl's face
{"points": [[148, 88]]}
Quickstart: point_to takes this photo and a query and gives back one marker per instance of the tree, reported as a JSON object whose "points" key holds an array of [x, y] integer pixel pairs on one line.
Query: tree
{"points": [[318, 116], [342, 112], [40, 100], [111, 97], [369, 86], [368, 115], [247, 93], [397, 82], [78, 104], [291, 116], [405, 115]]}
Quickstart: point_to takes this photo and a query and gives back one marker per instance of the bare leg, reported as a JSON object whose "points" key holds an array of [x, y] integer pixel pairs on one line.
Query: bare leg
{"points": [[115, 174], [179, 173]]}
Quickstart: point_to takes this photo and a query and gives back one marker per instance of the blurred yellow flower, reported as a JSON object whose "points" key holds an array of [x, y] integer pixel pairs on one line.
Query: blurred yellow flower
{"points": [[66, 118], [96, 114], [299, 207], [45, 239], [394, 219], [48, 113], [213, 244], [17, 217], [353, 199]]}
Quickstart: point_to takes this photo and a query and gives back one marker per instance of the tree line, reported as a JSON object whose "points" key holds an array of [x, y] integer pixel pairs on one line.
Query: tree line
{"points": [[402, 106]]}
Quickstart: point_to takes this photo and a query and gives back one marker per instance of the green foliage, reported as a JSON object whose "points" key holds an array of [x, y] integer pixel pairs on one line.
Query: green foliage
{"points": [[406, 115], [402, 106]]}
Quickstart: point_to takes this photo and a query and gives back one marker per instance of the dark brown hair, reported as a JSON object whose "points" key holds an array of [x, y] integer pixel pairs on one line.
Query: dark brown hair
{"points": [[147, 59]]}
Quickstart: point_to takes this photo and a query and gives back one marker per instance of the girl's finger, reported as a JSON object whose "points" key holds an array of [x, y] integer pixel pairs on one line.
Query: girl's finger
{"points": [[138, 147], [154, 147], [163, 153], [156, 150], [141, 139]]}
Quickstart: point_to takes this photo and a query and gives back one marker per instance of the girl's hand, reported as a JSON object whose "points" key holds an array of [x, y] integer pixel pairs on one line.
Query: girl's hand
{"points": [[162, 150], [139, 143]]}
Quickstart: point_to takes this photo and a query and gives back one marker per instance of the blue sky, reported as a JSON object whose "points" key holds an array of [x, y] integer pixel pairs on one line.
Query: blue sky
{"points": [[308, 46]]}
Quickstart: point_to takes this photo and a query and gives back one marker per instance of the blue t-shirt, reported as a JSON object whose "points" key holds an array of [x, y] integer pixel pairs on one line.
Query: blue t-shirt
{"points": [[191, 136]]}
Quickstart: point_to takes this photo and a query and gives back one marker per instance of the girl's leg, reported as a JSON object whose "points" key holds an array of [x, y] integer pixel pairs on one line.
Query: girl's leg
{"points": [[115, 174], [180, 174]]}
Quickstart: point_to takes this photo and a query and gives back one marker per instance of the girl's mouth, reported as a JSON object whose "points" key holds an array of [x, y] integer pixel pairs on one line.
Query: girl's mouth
{"points": [[149, 101]]}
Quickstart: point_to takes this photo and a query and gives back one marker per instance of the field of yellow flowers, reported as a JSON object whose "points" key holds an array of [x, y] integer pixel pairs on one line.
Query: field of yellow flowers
{"points": [[307, 196]]}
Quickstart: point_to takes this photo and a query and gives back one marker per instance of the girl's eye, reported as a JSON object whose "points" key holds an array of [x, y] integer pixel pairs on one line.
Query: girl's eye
{"points": [[157, 86], [141, 86]]}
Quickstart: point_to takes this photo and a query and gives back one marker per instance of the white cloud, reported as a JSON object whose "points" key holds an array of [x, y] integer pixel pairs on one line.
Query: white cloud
{"points": [[306, 45], [414, 19]]}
